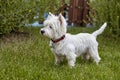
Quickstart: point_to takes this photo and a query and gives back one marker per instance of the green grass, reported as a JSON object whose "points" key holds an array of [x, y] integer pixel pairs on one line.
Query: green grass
{"points": [[31, 59]]}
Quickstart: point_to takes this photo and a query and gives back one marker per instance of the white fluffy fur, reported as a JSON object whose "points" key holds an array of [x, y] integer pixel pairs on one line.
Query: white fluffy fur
{"points": [[71, 46]]}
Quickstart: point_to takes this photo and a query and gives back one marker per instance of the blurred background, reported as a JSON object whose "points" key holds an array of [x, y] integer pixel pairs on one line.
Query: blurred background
{"points": [[16, 14]]}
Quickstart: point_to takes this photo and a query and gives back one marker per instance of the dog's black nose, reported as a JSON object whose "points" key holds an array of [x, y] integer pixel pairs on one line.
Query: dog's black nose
{"points": [[42, 31]]}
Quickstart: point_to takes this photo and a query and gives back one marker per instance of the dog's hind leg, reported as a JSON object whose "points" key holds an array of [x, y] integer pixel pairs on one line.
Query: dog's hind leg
{"points": [[94, 54]]}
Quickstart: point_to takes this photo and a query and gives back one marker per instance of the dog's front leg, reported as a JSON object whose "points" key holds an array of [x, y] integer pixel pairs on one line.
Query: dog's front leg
{"points": [[58, 59], [71, 57]]}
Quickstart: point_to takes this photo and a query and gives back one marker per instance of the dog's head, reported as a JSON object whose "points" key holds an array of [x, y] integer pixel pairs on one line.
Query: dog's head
{"points": [[54, 26]]}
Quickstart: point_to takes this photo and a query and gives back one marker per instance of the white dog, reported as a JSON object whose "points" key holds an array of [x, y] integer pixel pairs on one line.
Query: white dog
{"points": [[70, 46]]}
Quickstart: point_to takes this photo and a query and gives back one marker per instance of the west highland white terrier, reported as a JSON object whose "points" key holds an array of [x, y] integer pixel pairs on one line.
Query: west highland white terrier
{"points": [[63, 44]]}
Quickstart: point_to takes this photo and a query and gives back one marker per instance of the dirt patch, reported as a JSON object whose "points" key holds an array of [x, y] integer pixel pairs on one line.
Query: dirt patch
{"points": [[14, 36]]}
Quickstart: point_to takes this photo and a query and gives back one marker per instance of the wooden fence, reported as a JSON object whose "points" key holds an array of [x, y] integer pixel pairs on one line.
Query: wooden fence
{"points": [[78, 12]]}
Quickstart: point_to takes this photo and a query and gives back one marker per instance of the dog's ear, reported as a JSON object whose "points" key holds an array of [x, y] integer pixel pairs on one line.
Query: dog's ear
{"points": [[60, 18], [63, 22], [50, 14]]}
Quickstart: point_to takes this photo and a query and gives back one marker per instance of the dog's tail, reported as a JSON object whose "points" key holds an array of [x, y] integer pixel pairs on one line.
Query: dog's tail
{"points": [[99, 31]]}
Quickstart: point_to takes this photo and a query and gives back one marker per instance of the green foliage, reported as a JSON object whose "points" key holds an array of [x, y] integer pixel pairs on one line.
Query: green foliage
{"points": [[107, 11], [46, 6], [14, 14]]}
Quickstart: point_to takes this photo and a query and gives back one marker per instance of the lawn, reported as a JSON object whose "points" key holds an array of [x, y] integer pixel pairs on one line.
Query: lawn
{"points": [[29, 58]]}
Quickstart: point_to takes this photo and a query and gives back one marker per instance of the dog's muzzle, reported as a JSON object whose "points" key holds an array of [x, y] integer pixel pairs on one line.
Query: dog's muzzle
{"points": [[42, 31]]}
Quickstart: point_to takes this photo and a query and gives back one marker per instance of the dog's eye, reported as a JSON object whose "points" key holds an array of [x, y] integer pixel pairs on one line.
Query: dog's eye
{"points": [[50, 27]]}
